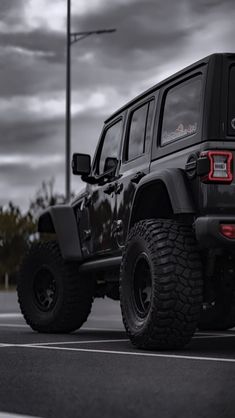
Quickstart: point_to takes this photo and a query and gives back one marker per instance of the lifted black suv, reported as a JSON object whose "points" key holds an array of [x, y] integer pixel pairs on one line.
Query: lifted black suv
{"points": [[155, 225]]}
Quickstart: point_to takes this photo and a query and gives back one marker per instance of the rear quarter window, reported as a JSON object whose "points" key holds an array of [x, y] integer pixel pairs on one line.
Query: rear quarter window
{"points": [[181, 113]]}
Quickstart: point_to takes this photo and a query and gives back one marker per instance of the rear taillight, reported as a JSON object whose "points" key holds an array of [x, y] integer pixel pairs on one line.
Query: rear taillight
{"points": [[215, 166], [228, 230]]}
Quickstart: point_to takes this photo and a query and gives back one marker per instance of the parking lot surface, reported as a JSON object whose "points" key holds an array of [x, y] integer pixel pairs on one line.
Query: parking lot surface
{"points": [[96, 372]]}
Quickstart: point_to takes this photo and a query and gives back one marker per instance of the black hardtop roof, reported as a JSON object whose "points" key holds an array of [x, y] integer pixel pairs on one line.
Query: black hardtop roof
{"points": [[166, 80]]}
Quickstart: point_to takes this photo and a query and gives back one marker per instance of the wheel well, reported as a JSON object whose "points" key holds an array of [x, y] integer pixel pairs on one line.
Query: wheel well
{"points": [[152, 202], [45, 224]]}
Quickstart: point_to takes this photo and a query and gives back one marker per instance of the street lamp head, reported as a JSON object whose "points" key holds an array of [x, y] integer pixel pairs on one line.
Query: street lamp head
{"points": [[78, 36], [106, 31]]}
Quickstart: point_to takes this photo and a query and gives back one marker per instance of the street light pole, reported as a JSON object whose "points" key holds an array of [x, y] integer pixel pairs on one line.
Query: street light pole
{"points": [[71, 39]]}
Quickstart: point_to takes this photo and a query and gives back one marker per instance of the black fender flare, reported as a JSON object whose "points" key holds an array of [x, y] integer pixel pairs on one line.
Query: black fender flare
{"points": [[176, 185], [61, 221]]}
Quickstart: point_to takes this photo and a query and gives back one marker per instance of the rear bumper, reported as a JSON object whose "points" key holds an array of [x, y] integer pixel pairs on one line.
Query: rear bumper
{"points": [[207, 229]]}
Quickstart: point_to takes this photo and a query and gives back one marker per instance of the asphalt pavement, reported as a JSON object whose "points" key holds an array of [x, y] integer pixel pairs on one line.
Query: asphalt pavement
{"points": [[96, 372]]}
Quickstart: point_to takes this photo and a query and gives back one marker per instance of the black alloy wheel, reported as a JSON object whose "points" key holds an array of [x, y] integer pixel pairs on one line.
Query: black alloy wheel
{"points": [[142, 285], [45, 289]]}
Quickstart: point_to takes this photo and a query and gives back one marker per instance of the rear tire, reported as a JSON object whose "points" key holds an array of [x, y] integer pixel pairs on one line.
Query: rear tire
{"points": [[52, 298], [161, 284]]}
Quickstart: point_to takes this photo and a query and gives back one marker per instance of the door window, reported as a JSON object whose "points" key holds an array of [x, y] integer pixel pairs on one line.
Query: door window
{"points": [[110, 145], [140, 124], [181, 111]]}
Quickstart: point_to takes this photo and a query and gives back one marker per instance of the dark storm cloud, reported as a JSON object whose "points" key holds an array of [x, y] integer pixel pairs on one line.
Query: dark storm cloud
{"points": [[149, 34], [46, 137], [51, 44], [142, 27], [12, 11], [6, 6], [208, 6], [32, 137], [148, 31], [21, 74]]}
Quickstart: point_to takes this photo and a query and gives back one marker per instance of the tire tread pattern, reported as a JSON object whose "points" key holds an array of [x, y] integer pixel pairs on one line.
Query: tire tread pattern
{"points": [[177, 293]]}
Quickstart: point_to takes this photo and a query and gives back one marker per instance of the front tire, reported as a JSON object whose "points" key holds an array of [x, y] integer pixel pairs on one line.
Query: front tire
{"points": [[52, 298], [161, 284]]}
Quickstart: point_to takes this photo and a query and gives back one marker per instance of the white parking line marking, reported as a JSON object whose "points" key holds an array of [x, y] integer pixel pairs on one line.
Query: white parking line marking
{"points": [[111, 340], [103, 329], [7, 415], [130, 353], [198, 337], [87, 342], [11, 315], [78, 342], [14, 326], [5, 345]]}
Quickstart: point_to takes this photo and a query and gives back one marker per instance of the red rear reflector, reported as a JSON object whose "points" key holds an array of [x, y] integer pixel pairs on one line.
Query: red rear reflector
{"points": [[220, 163], [228, 230]]}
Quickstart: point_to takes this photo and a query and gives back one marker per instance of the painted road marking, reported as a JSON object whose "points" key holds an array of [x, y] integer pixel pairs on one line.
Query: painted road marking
{"points": [[198, 337], [78, 342], [14, 326], [121, 329], [11, 315], [124, 353], [8, 415], [130, 353], [104, 341], [5, 345]]}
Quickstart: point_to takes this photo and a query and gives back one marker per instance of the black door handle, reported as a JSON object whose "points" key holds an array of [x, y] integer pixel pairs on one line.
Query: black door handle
{"points": [[109, 189], [137, 177]]}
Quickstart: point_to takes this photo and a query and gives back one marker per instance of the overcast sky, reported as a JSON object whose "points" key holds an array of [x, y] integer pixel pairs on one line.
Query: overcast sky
{"points": [[154, 39]]}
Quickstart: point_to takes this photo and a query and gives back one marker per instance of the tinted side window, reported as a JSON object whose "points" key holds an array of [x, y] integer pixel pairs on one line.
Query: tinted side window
{"points": [[231, 102], [140, 123], [111, 145], [181, 111]]}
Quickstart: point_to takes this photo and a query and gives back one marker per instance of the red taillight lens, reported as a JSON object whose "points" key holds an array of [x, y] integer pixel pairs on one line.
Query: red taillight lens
{"points": [[228, 230], [220, 166]]}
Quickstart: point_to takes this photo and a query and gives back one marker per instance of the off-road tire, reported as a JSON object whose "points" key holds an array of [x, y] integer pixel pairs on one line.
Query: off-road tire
{"points": [[176, 275], [72, 299]]}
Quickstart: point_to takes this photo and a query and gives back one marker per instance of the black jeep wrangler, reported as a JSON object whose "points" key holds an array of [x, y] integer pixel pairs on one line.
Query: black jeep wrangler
{"points": [[155, 225]]}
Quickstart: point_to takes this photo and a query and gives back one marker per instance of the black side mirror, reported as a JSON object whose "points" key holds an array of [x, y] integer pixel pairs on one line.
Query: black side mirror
{"points": [[110, 165], [81, 164]]}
